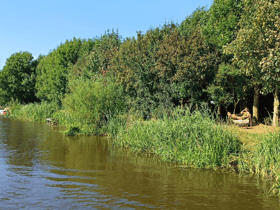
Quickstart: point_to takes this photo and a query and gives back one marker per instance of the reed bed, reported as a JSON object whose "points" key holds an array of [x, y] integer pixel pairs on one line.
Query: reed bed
{"points": [[263, 159], [189, 138], [33, 112]]}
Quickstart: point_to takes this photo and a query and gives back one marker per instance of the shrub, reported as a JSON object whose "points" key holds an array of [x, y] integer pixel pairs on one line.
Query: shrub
{"points": [[93, 101]]}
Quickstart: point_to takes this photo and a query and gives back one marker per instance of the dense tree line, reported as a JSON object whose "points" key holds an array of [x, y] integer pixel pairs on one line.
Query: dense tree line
{"points": [[227, 54]]}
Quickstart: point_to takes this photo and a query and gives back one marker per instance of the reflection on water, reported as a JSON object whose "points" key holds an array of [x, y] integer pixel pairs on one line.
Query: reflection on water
{"points": [[42, 169]]}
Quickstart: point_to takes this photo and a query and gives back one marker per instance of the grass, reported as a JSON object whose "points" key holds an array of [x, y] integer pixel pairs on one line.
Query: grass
{"points": [[263, 159], [33, 112], [188, 138], [253, 135], [260, 153]]}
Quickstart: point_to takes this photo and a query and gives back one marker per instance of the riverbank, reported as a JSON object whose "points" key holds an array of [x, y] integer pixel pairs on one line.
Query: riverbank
{"points": [[198, 141], [192, 139], [90, 170]]}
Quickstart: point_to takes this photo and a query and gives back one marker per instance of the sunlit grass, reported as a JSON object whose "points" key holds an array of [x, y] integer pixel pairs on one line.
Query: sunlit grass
{"points": [[263, 159], [188, 138], [33, 112]]}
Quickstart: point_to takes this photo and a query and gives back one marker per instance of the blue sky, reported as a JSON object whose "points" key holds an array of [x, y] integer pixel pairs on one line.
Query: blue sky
{"points": [[40, 26]]}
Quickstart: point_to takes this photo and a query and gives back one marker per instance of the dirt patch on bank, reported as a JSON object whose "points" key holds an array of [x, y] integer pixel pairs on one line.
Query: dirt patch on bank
{"points": [[259, 129], [252, 135]]}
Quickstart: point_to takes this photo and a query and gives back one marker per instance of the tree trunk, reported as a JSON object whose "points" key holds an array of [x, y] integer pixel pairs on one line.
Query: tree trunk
{"points": [[219, 110], [256, 104], [275, 107]]}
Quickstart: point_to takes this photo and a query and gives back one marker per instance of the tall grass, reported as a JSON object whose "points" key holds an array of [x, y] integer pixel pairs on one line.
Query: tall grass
{"points": [[34, 112], [188, 138], [263, 159]]}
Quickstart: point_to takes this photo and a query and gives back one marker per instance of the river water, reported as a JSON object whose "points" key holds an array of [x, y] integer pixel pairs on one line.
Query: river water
{"points": [[42, 169]]}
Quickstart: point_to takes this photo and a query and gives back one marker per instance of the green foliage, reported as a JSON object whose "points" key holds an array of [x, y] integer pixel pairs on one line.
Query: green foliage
{"points": [[164, 68], [93, 102], [72, 131], [187, 64], [53, 69], [134, 66], [17, 80], [229, 86], [250, 45], [198, 19], [222, 23], [193, 139], [100, 57]]}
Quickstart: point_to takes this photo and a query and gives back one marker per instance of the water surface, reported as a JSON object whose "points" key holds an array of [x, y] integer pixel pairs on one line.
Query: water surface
{"points": [[42, 169]]}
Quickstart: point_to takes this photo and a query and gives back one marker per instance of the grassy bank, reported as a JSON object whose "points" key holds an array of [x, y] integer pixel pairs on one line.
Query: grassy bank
{"points": [[191, 139], [260, 153], [32, 112]]}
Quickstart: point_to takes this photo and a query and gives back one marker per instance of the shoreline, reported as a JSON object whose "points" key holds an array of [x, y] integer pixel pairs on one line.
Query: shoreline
{"points": [[203, 144]]}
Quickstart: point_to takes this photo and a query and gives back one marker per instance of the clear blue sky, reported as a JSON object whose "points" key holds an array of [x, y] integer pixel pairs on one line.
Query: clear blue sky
{"points": [[39, 26]]}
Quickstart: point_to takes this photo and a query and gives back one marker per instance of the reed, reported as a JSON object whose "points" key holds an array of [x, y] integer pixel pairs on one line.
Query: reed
{"points": [[188, 138], [263, 159], [33, 112]]}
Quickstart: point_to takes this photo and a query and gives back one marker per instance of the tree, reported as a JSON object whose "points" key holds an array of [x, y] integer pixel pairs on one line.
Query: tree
{"points": [[53, 69], [255, 48], [187, 64], [198, 18], [268, 13], [228, 87], [17, 80], [222, 23], [100, 57], [134, 67]]}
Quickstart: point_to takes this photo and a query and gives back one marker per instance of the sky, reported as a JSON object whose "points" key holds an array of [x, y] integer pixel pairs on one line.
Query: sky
{"points": [[41, 26]]}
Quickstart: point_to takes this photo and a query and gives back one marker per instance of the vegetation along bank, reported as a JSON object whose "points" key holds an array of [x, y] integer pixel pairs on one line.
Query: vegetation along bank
{"points": [[130, 88]]}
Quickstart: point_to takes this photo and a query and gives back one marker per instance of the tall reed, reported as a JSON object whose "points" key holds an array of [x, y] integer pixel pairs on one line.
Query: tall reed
{"points": [[189, 138], [263, 159], [33, 112]]}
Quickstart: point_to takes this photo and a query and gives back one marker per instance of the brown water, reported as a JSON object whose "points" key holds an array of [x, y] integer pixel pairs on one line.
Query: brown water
{"points": [[42, 169]]}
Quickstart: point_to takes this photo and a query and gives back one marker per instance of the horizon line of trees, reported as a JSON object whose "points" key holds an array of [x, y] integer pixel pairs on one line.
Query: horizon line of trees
{"points": [[229, 54]]}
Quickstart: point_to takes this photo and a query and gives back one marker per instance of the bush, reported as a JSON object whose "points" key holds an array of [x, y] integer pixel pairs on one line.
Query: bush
{"points": [[92, 102]]}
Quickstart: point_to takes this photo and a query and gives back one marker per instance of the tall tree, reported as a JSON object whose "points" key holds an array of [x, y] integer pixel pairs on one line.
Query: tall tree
{"points": [[53, 69], [255, 48], [268, 13], [17, 80], [187, 64], [134, 66], [198, 18], [222, 23]]}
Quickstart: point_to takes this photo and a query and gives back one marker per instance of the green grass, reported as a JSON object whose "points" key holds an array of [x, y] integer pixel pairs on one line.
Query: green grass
{"points": [[263, 159], [33, 112], [189, 138]]}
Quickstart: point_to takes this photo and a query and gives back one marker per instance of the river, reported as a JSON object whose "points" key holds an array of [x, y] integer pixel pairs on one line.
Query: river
{"points": [[42, 169]]}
